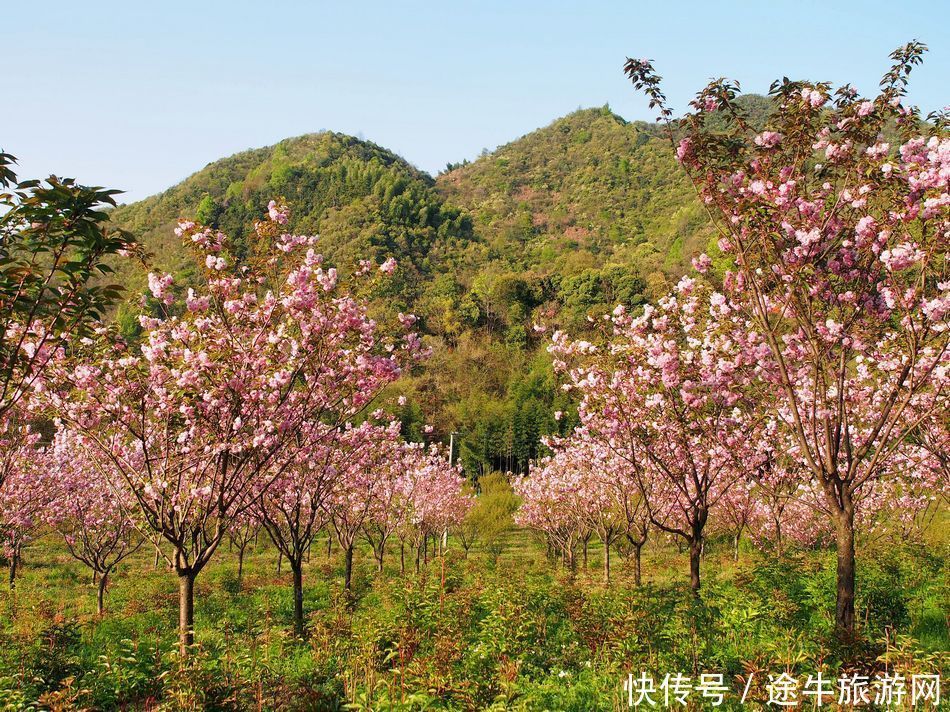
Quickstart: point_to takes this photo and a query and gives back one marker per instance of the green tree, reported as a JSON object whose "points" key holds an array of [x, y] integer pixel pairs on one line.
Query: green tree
{"points": [[491, 517], [208, 211], [55, 241]]}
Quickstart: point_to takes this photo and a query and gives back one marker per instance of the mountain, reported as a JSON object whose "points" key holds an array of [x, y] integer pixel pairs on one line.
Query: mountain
{"points": [[554, 227], [587, 190], [363, 200]]}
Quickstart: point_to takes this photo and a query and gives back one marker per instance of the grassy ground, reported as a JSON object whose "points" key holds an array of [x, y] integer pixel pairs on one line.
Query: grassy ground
{"points": [[461, 634]]}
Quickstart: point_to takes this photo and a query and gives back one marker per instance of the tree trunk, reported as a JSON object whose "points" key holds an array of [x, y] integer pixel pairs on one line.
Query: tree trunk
{"points": [[186, 612], [637, 550], [348, 569], [696, 543], [329, 545], [402, 557], [380, 552], [695, 556], [571, 560], [585, 554], [297, 568], [240, 566], [778, 536], [735, 554], [844, 605], [158, 556], [14, 561], [101, 593], [606, 563], [280, 560]]}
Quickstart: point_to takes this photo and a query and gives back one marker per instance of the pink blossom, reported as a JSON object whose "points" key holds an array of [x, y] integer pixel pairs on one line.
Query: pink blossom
{"points": [[247, 389], [901, 256], [813, 97], [683, 150], [215, 263], [276, 213], [159, 287], [768, 139]]}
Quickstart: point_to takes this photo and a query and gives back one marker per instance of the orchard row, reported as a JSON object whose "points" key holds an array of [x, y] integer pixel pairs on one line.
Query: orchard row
{"points": [[795, 387]]}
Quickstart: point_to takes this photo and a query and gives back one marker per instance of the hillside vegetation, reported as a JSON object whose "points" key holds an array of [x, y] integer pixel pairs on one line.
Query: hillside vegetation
{"points": [[587, 191], [552, 228], [363, 200]]}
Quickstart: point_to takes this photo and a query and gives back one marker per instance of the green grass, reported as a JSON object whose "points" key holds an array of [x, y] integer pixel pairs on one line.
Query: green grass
{"points": [[461, 634]]}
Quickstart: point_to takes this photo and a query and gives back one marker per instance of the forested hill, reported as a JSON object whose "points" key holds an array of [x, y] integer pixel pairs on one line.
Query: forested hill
{"points": [[587, 190], [363, 200], [560, 224]]}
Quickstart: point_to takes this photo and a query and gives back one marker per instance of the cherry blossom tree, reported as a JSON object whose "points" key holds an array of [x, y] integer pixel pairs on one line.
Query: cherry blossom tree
{"points": [[736, 513], [601, 501], [437, 497], [596, 491], [416, 495], [895, 504], [23, 494], [778, 486], [359, 486], [212, 407], [244, 529], [789, 506], [637, 531], [668, 395], [551, 504], [290, 508], [326, 475], [838, 249], [391, 505], [92, 514]]}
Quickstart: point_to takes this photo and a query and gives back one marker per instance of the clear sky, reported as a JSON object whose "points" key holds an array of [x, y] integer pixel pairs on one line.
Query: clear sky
{"points": [[138, 94]]}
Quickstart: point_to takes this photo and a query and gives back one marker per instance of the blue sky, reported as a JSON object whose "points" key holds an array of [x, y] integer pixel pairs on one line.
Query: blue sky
{"points": [[138, 95]]}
